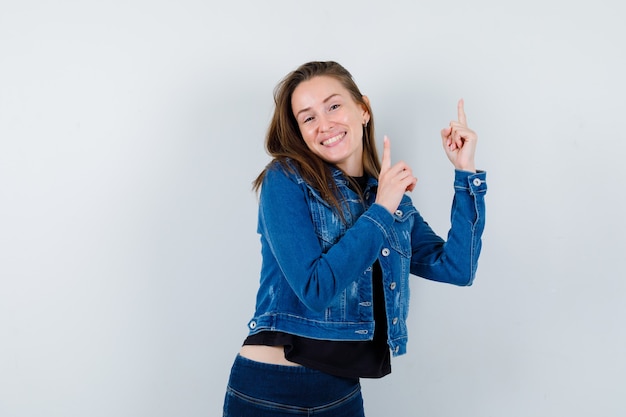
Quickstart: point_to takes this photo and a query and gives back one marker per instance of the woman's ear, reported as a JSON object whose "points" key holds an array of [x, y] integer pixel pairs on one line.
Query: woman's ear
{"points": [[366, 112]]}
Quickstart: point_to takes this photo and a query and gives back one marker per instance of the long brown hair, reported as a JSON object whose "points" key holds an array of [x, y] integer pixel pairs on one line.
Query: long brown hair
{"points": [[284, 140]]}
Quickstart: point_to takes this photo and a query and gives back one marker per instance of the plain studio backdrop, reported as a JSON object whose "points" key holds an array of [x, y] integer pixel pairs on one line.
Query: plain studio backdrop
{"points": [[130, 132]]}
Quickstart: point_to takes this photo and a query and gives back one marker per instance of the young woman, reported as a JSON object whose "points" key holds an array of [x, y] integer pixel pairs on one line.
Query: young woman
{"points": [[339, 238]]}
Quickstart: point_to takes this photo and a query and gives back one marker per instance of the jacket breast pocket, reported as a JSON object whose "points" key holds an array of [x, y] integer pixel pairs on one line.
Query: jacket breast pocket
{"points": [[400, 238], [329, 227]]}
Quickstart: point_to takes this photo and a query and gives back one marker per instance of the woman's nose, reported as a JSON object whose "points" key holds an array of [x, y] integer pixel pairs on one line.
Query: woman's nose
{"points": [[325, 122]]}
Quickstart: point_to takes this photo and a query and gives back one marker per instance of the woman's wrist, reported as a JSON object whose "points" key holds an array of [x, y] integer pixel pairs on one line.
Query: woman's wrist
{"points": [[471, 169]]}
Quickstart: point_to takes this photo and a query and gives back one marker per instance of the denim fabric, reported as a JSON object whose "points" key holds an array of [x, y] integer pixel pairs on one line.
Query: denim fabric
{"points": [[316, 277], [258, 389]]}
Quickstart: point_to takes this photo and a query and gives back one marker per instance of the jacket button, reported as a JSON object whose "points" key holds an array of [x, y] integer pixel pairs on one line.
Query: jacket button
{"points": [[477, 182], [399, 213], [392, 286], [252, 325], [385, 252], [395, 320]]}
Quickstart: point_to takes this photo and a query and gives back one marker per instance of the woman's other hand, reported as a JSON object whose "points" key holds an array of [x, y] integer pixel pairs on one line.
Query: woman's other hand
{"points": [[393, 181], [459, 142]]}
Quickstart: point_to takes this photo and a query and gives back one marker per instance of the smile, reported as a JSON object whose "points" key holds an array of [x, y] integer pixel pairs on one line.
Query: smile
{"points": [[334, 139]]}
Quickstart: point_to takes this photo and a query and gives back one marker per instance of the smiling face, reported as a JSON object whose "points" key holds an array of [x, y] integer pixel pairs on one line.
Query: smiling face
{"points": [[331, 122]]}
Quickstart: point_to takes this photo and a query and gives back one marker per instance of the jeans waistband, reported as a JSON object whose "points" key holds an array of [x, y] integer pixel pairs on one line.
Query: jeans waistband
{"points": [[283, 384]]}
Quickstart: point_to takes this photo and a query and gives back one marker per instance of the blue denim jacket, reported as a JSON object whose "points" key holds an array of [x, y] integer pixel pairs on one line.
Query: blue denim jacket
{"points": [[316, 276]]}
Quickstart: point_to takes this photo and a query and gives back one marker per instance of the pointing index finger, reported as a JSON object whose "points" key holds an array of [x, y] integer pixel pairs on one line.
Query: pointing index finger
{"points": [[386, 160], [461, 111]]}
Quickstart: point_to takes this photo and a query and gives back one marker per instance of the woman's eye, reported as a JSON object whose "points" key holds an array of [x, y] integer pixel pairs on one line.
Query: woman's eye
{"points": [[334, 106], [308, 119]]}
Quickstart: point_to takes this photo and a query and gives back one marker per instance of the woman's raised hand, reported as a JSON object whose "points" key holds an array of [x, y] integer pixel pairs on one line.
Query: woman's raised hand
{"points": [[459, 142], [393, 181]]}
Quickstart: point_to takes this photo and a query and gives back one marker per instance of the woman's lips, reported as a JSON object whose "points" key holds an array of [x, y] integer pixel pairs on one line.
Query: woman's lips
{"points": [[334, 139]]}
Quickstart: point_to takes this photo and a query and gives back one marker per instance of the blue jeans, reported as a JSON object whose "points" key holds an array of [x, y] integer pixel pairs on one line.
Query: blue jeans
{"points": [[258, 389]]}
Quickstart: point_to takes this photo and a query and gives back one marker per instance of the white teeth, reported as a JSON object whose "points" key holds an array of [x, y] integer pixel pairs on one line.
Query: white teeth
{"points": [[332, 140]]}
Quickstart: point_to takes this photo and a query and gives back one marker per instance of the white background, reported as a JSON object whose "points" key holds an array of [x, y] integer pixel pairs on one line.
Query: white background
{"points": [[130, 132]]}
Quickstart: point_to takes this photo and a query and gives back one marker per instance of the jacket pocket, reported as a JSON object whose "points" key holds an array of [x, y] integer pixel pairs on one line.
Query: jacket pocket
{"points": [[400, 234], [329, 227]]}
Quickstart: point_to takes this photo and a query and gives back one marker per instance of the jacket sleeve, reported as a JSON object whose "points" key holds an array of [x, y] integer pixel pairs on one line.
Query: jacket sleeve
{"points": [[316, 277], [454, 260]]}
